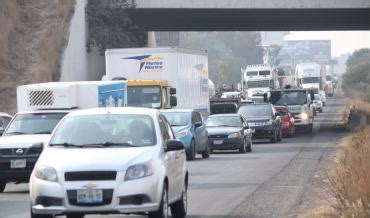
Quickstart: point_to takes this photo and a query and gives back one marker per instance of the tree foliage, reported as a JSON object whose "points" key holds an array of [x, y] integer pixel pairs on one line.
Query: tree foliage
{"points": [[357, 76], [227, 52], [109, 26]]}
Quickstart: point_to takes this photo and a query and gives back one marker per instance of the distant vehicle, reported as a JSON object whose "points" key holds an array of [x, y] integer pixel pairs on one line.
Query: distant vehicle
{"points": [[287, 121], [40, 108], [111, 161], [162, 78], [264, 121], [259, 79], [299, 103], [229, 132], [224, 105], [189, 128], [317, 103], [231, 95], [310, 75], [4, 120]]}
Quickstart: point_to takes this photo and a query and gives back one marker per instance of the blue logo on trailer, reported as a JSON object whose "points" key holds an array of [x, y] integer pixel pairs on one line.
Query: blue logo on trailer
{"points": [[204, 79], [112, 95]]}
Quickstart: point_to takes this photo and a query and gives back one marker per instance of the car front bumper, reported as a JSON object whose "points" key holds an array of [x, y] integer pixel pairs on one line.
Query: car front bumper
{"points": [[263, 132], [118, 196], [8, 174], [225, 143]]}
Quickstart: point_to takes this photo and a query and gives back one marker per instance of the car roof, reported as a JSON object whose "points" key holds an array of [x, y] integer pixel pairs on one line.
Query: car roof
{"points": [[224, 115], [177, 110], [114, 110], [44, 112]]}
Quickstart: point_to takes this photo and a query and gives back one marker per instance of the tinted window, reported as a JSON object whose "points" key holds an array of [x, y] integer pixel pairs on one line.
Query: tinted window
{"points": [[290, 98], [177, 118], [249, 111], [38, 123], [252, 73], [234, 121], [144, 96], [264, 73], [117, 129]]}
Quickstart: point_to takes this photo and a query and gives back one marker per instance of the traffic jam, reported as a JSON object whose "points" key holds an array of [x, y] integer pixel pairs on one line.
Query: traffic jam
{"points": [[121, 145]]}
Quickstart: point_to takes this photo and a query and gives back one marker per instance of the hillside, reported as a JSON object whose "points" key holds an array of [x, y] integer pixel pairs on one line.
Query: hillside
{"points": [[31, 40]]}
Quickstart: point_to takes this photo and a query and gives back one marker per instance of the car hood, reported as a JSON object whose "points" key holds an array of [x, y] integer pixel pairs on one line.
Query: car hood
{"points": [[222, 130], [97, 159], [258, 119], [23, 141], [179, 128]]}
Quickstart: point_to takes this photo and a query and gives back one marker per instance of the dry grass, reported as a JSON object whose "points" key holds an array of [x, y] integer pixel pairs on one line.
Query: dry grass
{"points": [[31, 41], [350, 178]]}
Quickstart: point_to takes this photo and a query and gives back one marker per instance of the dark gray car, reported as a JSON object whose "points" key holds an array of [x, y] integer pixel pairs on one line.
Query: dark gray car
{"points": [[229, 132]]}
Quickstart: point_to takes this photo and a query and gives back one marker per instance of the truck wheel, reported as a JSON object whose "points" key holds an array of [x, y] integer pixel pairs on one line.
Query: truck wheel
{"points": [[162, 211], [274, 137], [180, 207], [191, 154], [2, 186], [242, 148], [33, 215], [206, 153]]}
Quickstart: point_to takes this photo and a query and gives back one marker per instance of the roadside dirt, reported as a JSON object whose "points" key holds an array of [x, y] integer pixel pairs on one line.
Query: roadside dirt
{"points": [[31, 42]]}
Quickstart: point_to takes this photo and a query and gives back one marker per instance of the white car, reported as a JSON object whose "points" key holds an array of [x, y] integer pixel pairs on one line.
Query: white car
{"points": [[111, 161], [317, 103], [4, 120]]}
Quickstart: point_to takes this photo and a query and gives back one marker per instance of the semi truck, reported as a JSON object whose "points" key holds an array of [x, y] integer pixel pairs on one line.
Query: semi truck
{"points": [[310, 75], [40, 107], [259, 79], [155, 75]]}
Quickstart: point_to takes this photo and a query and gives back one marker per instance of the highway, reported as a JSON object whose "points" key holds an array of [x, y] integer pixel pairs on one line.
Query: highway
{"points": [[272, 181]]}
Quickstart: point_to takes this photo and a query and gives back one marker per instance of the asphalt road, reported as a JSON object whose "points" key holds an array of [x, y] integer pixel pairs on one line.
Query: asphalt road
{"points": [[269, 182]]}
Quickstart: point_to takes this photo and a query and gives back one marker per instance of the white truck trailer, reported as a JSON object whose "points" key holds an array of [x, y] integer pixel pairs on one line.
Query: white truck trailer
{"points": [[310, 75], [150, 71], [40, 108], [259, 79]]}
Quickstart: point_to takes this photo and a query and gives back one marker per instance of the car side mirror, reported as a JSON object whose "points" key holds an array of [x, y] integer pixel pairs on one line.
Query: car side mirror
{"points": [[174, 145], [172, 91], [37, 147], [198, 124], [173, 100]]}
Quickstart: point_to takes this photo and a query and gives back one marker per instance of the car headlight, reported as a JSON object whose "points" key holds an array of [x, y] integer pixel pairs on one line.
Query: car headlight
{"points": [[304, 116], [46, 173], [181, 133], [234, 135], [139, 171]]}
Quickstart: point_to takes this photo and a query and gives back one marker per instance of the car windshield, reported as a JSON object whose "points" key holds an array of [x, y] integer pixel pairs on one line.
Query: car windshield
{"points": [[290, 98], [283, 112], [144, 96], [37, 123], [177, 118], [105, 130], [310, 80], [317, 97], [232, 121], [250, 111], [258, 84]]}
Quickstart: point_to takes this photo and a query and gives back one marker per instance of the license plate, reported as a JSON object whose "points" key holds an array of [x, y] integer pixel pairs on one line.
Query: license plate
{"points": [[218, 142], [89, 196], [20, 163]]}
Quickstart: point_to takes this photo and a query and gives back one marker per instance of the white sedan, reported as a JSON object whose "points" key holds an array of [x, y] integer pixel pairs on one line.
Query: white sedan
{"points": [[111, 160]]}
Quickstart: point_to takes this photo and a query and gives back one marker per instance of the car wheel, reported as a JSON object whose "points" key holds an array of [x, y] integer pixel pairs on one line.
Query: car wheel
{"points": [[274, 138], [191, 154], [162, 211], [280, 136], [2, 186], [33, 215], [75, 216], [242, 148], [180, 207], [206, 153]]}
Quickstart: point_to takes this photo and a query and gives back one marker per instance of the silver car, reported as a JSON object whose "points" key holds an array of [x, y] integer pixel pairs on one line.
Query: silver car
{"points": [[111, 160]]}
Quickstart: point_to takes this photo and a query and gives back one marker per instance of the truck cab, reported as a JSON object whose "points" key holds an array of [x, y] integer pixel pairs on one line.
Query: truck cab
{"points": [[151, 94], [259, 79]]}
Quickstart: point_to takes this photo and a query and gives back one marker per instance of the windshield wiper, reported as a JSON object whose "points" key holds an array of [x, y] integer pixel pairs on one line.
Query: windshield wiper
{"points": [[16, 133], [44, 132], [65, 144], [109, 144]]}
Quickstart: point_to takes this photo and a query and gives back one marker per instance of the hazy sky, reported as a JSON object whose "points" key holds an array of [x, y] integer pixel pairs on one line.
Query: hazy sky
{"points": [[341, 41]]}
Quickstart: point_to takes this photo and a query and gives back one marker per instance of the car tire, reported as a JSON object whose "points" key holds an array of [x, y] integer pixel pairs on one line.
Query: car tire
{"points": [[242, 148], [180, 207], [192, 152], [162, 211], [274, 138], [280, 136], [2, 186], [206, 153], [33, 215]]}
